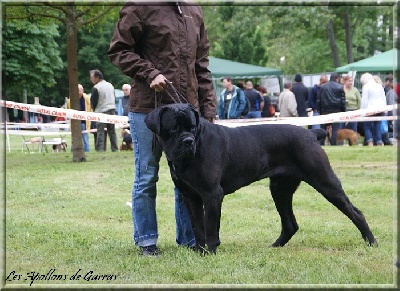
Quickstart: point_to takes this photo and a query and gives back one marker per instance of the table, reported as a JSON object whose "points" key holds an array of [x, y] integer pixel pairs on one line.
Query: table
{"points": [[42, 143]]}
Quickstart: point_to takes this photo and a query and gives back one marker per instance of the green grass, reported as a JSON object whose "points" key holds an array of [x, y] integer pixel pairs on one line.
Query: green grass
{"points": [[68, 216]]}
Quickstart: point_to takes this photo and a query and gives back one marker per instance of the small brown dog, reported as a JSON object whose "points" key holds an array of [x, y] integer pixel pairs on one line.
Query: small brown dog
{"points": [[127, 144], [347, 134], [62, 147]]}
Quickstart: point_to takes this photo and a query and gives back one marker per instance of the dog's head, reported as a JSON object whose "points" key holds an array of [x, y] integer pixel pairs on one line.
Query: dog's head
{"points": [[125, 131], [176, 127]]}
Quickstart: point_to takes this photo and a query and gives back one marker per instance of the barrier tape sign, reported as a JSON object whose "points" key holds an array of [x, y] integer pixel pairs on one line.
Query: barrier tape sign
{"points": [[356, 116]]}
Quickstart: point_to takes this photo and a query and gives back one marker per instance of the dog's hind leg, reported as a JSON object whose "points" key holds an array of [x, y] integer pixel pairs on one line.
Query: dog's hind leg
{"points": [[328, 184], [282, 190], [335, 195]]}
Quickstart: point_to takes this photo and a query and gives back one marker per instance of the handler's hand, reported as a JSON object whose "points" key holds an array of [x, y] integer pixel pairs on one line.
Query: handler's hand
{"points": [[159, 83], [210, 119]]}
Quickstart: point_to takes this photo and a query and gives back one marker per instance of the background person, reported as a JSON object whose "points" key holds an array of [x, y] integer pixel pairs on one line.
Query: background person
{"points": [[301, 93], [84, 102], [266, 112], [287, 101], [312, 98], [372, 97], [256, 100], [148, 45], [388, 83], [384, 123], [123, 104], [231, 101], [353, 100], [391, 98], [103, 101], [331, 99]]}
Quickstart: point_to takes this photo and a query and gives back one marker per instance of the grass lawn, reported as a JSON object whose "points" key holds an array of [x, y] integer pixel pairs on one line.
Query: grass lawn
{"points": [[64, 218]]}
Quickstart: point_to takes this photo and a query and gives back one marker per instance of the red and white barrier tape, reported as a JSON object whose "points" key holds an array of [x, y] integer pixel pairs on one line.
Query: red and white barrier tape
{"points": [[67, 113], [356, 115], [361, 115]]}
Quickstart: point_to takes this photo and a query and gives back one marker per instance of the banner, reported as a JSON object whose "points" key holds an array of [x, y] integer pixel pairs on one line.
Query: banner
{"points": [[361, 115]]}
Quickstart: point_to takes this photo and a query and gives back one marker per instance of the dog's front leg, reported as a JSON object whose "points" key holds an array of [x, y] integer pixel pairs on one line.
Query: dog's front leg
{"points": [[212, 218], [194, 205]]}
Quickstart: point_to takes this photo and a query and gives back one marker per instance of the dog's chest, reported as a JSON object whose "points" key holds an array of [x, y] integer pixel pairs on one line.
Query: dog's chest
{"points": [[180, 180]]}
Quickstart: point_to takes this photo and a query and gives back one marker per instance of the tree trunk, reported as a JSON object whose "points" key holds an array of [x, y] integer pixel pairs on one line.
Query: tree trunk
{"points": [[72, 60], [332, 44], [388, 31], [349, 36]]}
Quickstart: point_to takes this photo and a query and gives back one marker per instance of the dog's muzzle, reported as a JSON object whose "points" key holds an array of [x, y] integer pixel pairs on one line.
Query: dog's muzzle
{"points": [[186, 147], [188, 141]]}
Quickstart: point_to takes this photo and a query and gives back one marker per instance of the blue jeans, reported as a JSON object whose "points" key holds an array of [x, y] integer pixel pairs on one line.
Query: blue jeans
{"points": [[144, 190], [110, 132], [372, 130], [351, 125], [253, 114], [85, 138], [333, 138], [316, 126]]}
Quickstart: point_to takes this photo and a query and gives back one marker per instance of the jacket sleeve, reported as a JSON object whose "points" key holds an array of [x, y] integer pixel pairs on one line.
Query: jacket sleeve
{"points": [[292, 106], [319, 103], [88, 108], [94, 98], [312, 98], [364, 97], [358, 95], [241, 102], [343, 99], [119, 107], [205, 86], [221, 107], [121, 52]]}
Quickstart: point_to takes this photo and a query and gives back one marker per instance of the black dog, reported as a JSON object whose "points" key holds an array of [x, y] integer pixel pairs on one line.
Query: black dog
{"points": [[207, 162]]}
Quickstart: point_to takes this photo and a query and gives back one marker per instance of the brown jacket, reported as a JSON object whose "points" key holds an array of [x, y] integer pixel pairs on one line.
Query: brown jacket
{"points": [[167, 39]]}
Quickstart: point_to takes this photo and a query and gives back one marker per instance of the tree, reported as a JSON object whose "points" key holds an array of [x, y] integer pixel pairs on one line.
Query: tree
{"points": [[332, 43], [236, 33], [93, 55], [73, 17], [31, 64], [318, 38]]}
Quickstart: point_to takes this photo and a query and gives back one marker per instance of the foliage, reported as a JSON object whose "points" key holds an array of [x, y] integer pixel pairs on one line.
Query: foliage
{"points": [[258, 35], [32, 59], [93, 38], [73, 16], [92, 54], [240, 33], [298, 33], [67, 218]]}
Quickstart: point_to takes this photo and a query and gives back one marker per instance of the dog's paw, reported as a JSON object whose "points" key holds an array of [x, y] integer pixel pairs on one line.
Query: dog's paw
{"points": [[201, 250], [373, 243]]}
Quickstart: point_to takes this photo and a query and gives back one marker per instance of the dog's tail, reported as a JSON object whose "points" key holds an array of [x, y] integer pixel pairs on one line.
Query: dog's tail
{"points": [[320, 134]]}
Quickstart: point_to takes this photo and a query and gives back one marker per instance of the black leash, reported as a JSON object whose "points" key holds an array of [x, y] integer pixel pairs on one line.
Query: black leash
{"points": [[179, 99], [178, 95]]}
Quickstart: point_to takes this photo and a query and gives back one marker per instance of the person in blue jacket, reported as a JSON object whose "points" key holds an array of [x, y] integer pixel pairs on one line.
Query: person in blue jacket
{"points": [[232, 100]]}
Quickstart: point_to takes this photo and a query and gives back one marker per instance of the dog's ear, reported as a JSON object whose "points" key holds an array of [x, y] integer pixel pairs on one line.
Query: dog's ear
{"points": [[153, 119], [196, 114]]}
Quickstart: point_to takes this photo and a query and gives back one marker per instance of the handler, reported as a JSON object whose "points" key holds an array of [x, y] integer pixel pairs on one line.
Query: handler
{"points": [[155, 45]]}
